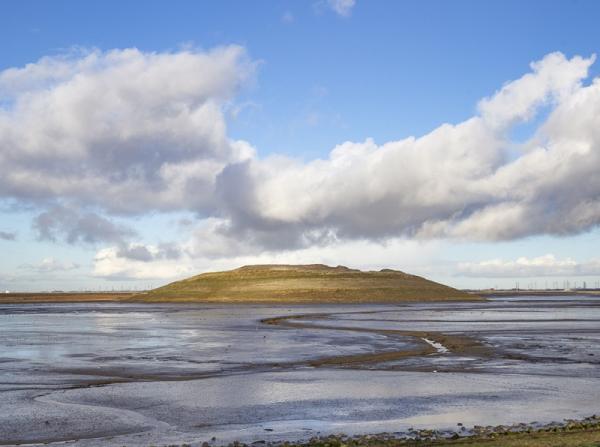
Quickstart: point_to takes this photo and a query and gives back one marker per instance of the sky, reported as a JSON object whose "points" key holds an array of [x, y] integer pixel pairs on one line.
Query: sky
{"points": [[143, 142]]}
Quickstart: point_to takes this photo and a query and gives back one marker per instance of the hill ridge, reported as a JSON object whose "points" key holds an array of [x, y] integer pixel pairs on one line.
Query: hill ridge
{"points": [[305, 283]]}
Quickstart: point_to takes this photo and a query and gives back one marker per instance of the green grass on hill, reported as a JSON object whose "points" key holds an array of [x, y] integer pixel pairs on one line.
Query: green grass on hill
{"points": [[304, 283]]}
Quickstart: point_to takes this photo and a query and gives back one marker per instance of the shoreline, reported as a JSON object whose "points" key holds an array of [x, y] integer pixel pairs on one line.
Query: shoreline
{"points": [[584, 432], [139, 298], [63, 297]]}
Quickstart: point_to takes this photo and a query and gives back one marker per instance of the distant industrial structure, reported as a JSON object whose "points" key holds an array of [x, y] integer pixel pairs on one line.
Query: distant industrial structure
{"points": [[555, 286]]}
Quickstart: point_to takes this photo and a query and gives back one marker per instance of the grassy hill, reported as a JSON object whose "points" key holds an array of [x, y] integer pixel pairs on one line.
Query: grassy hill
{"points": [[303, 283]]}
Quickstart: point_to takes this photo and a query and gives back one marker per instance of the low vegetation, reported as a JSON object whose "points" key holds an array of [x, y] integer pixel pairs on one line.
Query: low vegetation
{"points": [[570, 433], [304, 284]]}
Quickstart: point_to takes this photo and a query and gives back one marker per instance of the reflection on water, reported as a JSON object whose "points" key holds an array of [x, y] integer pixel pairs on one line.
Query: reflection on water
{"points": [[183, 373]]}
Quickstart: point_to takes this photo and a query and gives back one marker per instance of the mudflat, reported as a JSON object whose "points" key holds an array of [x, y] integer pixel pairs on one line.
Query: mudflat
{"points": [[139, 374]]}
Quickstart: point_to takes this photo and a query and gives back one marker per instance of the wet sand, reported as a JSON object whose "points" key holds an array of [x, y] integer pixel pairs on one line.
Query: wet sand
{"points": [[427, 343], [129, 374]]}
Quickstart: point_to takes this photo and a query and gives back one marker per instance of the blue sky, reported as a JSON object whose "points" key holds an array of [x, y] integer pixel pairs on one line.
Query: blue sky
{"points": [[382, 70], [391, 69]]}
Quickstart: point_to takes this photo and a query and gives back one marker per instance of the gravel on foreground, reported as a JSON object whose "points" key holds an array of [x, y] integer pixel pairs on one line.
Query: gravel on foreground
{"points": [[570, 433]]}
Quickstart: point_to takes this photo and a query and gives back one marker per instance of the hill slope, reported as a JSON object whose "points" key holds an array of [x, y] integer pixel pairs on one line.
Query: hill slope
{"points": [[303, 283]]}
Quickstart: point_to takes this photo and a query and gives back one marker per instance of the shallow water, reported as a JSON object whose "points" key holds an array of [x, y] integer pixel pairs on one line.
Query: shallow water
{"points": [[141, 374]]}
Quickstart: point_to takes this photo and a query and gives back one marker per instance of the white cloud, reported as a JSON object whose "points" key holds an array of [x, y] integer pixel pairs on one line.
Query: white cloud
{"points": [[111, 263], [341, 7], [95, 135], [124, 130], [456, 182], [552, 79], [547, 265]]}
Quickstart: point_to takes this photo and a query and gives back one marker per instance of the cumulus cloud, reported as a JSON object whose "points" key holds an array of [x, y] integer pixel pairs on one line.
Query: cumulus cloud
{"points": [[94, 135], [145, 253], [7, 236], [459, 181], [124, 130], [75, 226], [141, 262], [50, 265], [551, 80], [341, 7], [547, 265]]}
